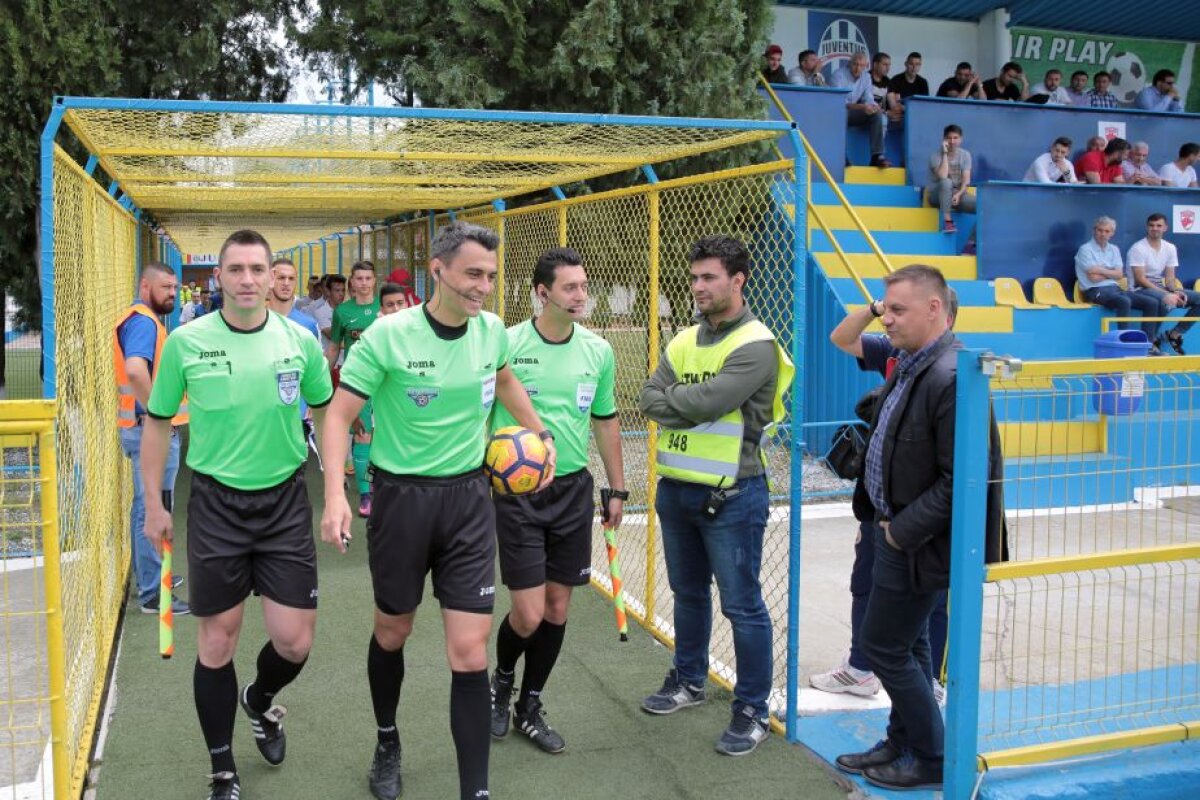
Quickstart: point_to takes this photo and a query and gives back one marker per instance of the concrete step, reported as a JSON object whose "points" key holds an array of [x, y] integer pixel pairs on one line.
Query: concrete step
{"points": [[890, 242], [867, 194], [970, 293], [1057, 481], [877, 218], [894, 176], [867, 265], [1051, 438]]}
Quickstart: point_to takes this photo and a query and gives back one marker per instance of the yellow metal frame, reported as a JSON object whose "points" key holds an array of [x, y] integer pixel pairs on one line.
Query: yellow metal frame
{"points": [[1107, 322], [1091, 561], [1088, 745], [813, 158], [1100, 366]]}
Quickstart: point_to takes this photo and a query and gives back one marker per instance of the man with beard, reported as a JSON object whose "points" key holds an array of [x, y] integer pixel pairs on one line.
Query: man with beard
{"points": [[137, 344]]}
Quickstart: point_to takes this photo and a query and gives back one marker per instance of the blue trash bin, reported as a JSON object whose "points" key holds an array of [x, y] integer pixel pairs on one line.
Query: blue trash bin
{"points": [[1119, 393]]}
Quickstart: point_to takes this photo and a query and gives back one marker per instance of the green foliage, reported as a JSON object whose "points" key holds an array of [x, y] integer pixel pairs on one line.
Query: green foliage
{"points": [[670, 57], [222, 49]]}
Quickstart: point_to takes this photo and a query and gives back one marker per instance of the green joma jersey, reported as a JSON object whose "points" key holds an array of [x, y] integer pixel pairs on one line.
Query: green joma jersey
{"points": [[243, 390], [569, 383], [350, 319], [432, 396]]}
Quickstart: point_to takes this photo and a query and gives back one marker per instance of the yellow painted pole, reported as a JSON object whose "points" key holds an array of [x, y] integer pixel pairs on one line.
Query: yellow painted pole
{"points": [[562, 225], [652, 348], [56, 655], [500, 270]]}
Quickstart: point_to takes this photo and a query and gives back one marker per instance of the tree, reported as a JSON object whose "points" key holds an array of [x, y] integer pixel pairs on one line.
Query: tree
{"points": [[222, 49], [669, 57]]}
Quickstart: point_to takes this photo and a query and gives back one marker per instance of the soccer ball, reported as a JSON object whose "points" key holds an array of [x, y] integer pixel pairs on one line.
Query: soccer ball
{"points": [[1128, 76], [515, 460]]}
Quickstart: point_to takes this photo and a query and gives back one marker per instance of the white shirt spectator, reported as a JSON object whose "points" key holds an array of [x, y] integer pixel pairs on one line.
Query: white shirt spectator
{"points": [[1174, 176], [1154, 262], [1131, 171], [798, 77], [322, 312], [861, 88], [187, 313], [1044, 170], [1059, 97]]}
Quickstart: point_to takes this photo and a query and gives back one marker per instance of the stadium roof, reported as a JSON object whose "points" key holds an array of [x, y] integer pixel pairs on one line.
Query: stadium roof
{"points": [[1152, 19], [299, 173]]}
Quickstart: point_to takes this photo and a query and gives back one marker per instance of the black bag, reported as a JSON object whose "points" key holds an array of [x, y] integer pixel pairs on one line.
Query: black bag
{"points": [[849, 449]]}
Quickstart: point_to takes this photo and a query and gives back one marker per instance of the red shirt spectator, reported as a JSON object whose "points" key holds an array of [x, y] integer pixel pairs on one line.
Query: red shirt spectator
{"points": [[402, 278], [1095, 161]]}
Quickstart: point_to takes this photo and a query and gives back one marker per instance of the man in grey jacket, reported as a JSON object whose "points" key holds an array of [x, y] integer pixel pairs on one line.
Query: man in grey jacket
{"points": [[717, 391]]}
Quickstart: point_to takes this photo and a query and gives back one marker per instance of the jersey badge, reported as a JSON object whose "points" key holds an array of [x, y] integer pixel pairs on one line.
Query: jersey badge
{"points": [[585, 394], [289, 386], [422, 397]]}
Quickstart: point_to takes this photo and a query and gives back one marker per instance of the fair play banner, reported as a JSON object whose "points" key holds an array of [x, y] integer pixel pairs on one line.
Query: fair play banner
{"points": [[1185, 219]]}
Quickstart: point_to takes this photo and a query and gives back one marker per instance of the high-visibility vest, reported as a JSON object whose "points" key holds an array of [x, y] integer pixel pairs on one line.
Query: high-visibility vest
{"points": [[710, 453], [126, 399]]}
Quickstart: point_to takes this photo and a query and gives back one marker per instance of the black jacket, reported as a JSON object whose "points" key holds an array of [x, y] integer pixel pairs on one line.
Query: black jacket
{"points": [[918, 470]]}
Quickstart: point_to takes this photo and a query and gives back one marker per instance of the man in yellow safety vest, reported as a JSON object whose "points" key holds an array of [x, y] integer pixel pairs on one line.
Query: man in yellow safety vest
{"points": [[137, 344], [717, 393]]}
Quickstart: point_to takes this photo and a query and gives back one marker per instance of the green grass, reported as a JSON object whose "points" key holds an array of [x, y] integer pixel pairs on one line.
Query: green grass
{"points": [[155, 750], [21, 381]]}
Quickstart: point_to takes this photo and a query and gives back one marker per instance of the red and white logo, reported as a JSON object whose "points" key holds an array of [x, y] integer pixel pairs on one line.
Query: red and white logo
{"points": [[1110, 132], [1185, 219]]}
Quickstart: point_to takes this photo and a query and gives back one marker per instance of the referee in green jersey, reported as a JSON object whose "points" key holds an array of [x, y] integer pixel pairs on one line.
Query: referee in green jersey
{"points": [[350, 319], [244, 371], [545, 539], [434, 372]]}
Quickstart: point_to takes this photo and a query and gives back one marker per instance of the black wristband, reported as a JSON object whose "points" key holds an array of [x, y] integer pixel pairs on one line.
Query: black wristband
{"points": [[620, 494], [546, 436], [874, 313]]}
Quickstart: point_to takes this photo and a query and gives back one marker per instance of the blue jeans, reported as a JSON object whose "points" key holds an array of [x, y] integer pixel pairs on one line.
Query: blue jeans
{"points": [[147, 564], [893, 631], [728, 548], [931, 651], [1192, 309], [1113, 297]]}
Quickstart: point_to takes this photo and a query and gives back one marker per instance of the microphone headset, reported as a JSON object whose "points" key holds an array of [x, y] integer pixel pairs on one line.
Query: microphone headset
{"points": [[546, 298], [437, 278]]}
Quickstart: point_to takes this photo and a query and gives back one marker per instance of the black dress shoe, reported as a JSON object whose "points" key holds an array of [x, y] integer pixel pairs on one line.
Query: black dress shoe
{"points": [[884, 752], [906, 772]]}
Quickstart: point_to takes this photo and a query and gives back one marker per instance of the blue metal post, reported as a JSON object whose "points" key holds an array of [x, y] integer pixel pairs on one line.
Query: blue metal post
{"points": [[967, 572], [90, 166], [558, 193], [360, 245], [112, 189], [175, 260], [324, 257], [49, 328], [310, 259], [651, 175], [799, 260], [340, 255]]}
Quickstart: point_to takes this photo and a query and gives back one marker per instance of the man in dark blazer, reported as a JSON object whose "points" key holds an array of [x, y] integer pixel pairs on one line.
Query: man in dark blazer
{"points": [[909, 474]]}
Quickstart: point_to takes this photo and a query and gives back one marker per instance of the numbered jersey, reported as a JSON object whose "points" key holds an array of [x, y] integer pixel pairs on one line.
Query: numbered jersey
{"points": [[570, 383], [432, 396]]}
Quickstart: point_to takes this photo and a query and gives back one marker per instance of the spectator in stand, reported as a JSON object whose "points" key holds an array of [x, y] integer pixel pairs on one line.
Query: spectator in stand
{"points": [[1011, 84], [1136, 169], [193, 309], [809, 71], [861, 109], [1161, 94], [1099, 96], [213, 286], [905, 85], [402, 278], [1053, 166], [773, 71], [1103, 166], [1051, 91], [1098, 267], [1097, 143], [949, 178], [881, 64], [1078, 89], [1181, 173], [964, 83], [1153, 263]]}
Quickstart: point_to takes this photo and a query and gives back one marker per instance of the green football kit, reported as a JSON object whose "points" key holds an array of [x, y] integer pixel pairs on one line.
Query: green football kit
{"points": [[350, 319]]}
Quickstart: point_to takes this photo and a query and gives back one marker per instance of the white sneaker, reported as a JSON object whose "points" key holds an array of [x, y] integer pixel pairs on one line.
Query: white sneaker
{"points": [[939, 693], [845, 679]]}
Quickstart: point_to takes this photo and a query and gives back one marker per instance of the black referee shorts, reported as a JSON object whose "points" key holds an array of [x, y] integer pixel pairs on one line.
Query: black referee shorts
{"points": [[244, 541], [419, 525], [547, 535]]}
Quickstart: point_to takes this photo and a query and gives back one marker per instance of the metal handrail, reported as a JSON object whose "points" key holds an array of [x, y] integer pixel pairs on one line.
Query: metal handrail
{"points": [[813, 158]]}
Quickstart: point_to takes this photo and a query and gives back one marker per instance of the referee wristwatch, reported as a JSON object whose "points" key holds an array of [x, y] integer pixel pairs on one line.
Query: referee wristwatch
{"points": [[619, 494], [546, 436], [874, 309]]}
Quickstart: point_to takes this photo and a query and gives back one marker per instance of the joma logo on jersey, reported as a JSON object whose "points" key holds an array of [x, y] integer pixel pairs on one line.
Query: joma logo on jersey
{"points": [[421, 365], [211, 354], [698, 377], [526, 361]]}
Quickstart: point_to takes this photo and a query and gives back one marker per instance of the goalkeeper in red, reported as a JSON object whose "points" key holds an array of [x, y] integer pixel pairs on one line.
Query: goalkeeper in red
{"points": [[545, 539], [433, 373]]}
